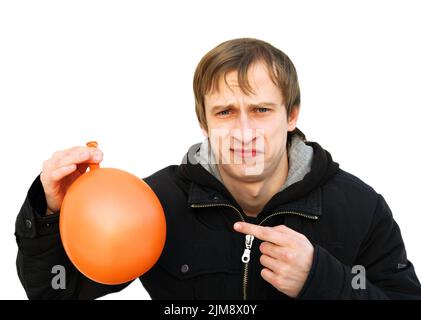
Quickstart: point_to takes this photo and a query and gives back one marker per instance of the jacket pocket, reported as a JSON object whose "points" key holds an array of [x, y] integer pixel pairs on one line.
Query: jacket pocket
{"points": [[208, 269]]}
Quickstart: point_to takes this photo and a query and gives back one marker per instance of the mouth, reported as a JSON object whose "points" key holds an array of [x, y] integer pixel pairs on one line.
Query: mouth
{"points": [[245, 153]]}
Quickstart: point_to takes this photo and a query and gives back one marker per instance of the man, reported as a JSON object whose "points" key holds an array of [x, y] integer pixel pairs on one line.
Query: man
{"points": [[254, 212]]}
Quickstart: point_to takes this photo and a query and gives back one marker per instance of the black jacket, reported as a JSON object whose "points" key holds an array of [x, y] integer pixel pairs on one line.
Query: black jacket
{"points": [[345, 219]]}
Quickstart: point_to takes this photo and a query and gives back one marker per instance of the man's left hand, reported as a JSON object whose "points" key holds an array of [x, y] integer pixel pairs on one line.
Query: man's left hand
{"points": [[287, 256]]}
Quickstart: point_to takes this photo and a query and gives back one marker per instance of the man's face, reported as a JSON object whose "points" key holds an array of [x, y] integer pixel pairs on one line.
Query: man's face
{"points": [[248, 133]]}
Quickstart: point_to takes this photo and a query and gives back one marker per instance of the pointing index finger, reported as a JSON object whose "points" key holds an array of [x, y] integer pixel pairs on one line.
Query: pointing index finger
{"points": [[263, 233]]}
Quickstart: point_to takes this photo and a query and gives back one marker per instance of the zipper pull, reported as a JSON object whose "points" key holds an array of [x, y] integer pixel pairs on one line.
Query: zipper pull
{"points": [[246, 254]]}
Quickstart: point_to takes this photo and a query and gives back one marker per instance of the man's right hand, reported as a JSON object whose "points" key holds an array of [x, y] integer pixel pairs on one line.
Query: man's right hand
{"points": [[64, 167]]}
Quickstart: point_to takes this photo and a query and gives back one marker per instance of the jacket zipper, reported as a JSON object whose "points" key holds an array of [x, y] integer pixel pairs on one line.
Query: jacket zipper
{"points": [[245, 258]]}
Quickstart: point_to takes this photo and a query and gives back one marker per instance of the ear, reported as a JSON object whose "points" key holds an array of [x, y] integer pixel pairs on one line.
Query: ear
{"points": [[293, 118]]}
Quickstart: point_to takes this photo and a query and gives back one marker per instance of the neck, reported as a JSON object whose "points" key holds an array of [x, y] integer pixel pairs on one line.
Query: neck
{"points": [[252, 196]]}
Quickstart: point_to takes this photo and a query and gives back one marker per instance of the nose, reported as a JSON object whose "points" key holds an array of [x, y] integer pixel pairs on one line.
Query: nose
{"points": [[243, 132], [244, 121]]}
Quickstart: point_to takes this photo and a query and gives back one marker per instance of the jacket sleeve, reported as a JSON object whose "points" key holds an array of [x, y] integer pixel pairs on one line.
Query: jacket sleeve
{"points": [[382, 256], [40, 249]]}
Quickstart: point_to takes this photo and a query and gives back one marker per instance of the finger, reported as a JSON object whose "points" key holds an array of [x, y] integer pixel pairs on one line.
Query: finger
{"points": [[61, 172], [263, 233], [269, 276], [276, 251], [62, 153], [270, 263], [80, 156], [283, 228]]}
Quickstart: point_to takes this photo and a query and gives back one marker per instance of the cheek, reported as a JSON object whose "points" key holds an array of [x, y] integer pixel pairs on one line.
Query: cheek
{"points": [[275, 141], [220, 141], [219, 127]]}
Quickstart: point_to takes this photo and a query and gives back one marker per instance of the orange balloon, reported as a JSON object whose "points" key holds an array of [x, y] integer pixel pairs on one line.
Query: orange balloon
{"points": [[112, 225]]}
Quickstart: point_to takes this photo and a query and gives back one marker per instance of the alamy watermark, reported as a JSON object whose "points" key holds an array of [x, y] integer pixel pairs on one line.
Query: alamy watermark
{"points": [[58, 282], [359, 280], [237, 146]]}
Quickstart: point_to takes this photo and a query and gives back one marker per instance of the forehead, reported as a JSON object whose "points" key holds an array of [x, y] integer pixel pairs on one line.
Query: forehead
{"points": [[258, 78]]}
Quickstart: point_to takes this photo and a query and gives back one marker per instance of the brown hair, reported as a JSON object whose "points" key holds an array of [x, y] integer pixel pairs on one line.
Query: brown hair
{"points": [[238, 55]]}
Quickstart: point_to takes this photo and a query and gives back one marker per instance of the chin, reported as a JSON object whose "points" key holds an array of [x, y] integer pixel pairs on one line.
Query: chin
{"points": [[245, 172]]}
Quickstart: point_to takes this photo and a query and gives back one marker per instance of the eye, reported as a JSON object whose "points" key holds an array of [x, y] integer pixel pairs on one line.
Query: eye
{"points": [[224, 113], [262, 110]]}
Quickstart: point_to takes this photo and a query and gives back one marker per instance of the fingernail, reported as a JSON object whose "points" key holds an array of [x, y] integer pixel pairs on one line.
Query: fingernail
{"points": [[237, 226]]}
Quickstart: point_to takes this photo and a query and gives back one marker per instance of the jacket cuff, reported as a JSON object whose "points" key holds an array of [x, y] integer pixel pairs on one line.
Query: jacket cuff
{"points": [[326, 277], [32, 221]]}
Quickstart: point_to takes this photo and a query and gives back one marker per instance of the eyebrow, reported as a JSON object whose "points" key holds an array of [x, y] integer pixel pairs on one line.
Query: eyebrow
{"points": [[258, 104]]}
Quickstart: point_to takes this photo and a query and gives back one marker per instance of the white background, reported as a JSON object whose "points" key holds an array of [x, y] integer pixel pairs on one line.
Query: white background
{"points": [[120, 72]]}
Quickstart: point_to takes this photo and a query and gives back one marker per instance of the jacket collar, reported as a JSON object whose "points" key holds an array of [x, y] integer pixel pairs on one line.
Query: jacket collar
{"points": [[311, 204]]}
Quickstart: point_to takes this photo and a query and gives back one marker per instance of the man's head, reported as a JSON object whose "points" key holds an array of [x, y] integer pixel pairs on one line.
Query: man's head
{"points": [[247, 102]]}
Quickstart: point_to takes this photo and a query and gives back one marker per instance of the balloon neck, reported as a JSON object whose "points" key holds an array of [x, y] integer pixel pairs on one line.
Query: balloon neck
{"points": [[93, 166]]}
